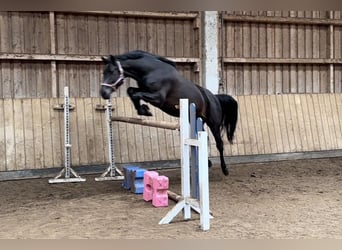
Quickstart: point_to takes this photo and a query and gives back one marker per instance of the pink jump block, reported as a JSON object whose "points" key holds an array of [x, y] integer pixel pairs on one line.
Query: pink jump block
{"points": [[160, 186], [148, 183], [155, 188]]}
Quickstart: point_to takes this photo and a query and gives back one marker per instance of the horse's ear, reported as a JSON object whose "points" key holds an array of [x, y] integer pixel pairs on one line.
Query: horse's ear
{"points": [[105, 60], [112, 59]]}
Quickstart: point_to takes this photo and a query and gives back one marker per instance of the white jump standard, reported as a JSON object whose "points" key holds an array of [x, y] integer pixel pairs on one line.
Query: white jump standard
{"points": [[186, 202]]}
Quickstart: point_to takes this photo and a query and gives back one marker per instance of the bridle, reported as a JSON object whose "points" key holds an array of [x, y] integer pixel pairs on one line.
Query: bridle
{"points": [[121, 77]]}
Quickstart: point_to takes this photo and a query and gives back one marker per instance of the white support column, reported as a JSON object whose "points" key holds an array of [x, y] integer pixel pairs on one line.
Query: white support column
{"points": [[210, 52]]}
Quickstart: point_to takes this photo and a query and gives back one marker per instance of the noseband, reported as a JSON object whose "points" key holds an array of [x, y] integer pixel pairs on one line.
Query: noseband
{"points": [[121, 77]]}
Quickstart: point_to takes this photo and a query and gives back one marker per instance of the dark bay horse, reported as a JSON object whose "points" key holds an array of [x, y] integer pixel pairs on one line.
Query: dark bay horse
{"points": [[161, 85]]}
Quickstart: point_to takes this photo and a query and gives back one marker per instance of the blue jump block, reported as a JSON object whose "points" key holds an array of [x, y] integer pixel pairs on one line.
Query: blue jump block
{"points": [[137, 180], [127, 182]]}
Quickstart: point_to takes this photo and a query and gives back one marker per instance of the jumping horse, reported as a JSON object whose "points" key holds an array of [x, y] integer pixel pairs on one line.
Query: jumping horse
{"points": [[161, 85]]}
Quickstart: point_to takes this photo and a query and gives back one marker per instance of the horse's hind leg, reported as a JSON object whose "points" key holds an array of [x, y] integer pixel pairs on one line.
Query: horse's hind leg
{"points": [[219, 146]]}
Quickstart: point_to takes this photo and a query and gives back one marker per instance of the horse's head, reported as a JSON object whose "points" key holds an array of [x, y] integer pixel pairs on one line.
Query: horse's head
{"points": [[113, 77]]}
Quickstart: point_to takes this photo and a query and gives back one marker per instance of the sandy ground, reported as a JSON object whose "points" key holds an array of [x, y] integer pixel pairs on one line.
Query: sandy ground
{"points": [[275, 200]]}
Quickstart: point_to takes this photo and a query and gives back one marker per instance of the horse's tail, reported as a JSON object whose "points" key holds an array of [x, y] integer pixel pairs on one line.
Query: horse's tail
{"points": [[230, 114]]}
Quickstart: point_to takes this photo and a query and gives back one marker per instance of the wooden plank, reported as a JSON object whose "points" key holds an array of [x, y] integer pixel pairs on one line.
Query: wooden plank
{"points": [[5, 37], [170, 41], [247, 79], [314, 61], [239, 147], [37, 125], [244, 124], [141, 33], [71, 33], [46, 131], [57, 135], [151, 29], [19, 134], [9, 134], [176, 139], [239, 83], [161, 40], [145, 14], [103, 44], [2, 135], [319, 122], [29, 139], [260, 145], [289, 124], [99, 140], [97, 58], [282, 20], [329, 123], [122, 132], [283, 123], [326, 122], [90, 131], [84, 79], [230, 79], [131, 143], [270, 123], [334, 128], [182, 39], [81, 131], [303, 135], [262, 41], [74, 133], [277, 126], [313, 122], [162, 148], [255, 41], [263, 80], [255, 78], [17, 32], [295, 123], [116, 132], [251, 126], [265, 136], [230, 41], [310, 144], [94, 36], [336, 101], [172, 142]]}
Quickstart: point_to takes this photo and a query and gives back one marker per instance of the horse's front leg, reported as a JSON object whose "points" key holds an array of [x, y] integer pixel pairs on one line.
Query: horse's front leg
{"points": [[136, 95], [141, 109]]}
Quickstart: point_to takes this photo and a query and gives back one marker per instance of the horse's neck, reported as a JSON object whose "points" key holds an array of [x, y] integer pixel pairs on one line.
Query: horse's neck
{"points": [[131, 70]]}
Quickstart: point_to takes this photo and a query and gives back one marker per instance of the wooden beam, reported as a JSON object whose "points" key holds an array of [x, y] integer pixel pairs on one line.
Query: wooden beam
{"points": [[54, 86], [58, 57], [283, 60], [282, 20], [144, 122], [147, 14]]}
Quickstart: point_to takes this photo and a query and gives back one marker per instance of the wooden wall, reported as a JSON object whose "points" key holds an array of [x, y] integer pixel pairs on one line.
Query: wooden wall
{"points": [[41, 52], [31, 131], [279, 52]]}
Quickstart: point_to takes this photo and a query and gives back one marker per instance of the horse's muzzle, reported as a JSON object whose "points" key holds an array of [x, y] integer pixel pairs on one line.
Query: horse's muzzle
{"points": [[106, 92]]}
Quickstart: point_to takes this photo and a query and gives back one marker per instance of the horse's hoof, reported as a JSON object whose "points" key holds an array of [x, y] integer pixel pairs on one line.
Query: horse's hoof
{"points": [[209, 163], [144, 110], [225, 172]]}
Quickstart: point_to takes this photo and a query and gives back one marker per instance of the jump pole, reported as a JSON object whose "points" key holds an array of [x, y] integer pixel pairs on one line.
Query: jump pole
{"points": [[67, 170], [112, 172], [186, 201]]}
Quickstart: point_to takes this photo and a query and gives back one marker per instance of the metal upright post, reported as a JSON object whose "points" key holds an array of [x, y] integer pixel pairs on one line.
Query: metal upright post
{"points": [[67, 170], [111, 170]]}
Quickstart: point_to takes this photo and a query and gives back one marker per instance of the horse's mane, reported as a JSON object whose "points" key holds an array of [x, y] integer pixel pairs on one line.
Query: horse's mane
{"points": [[137, 54]]}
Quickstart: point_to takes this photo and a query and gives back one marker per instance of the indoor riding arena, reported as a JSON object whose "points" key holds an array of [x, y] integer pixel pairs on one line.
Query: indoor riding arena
{"points": [[284, 69]]}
